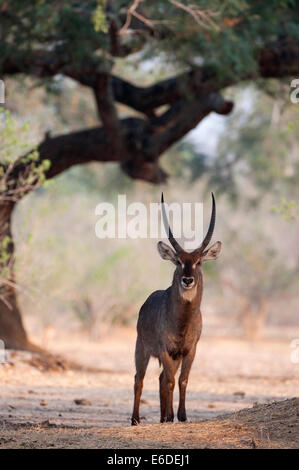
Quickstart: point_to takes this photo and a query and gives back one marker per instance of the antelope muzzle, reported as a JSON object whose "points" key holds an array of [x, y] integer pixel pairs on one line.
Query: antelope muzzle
{"points": [[187, 282]]}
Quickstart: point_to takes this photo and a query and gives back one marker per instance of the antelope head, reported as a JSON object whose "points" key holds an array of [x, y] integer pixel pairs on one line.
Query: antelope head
{"points": [[188, 264]]}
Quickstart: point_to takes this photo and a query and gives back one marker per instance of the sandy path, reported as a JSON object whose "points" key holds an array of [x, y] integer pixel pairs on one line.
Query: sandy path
{"points": [[228, 375]]}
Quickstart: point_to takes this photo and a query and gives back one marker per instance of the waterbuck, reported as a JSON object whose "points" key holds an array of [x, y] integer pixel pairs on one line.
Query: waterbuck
{"points": [[169, 323]]}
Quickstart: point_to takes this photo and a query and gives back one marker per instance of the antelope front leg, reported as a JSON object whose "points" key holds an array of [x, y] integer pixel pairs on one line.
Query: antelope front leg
{"points": [[183, 380], [169, 371]]}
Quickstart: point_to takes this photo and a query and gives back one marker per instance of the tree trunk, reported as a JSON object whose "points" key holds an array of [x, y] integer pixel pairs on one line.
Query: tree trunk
{"points": [[12, 331]]}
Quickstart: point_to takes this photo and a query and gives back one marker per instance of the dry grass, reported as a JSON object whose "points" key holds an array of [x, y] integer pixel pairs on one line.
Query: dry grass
{"points": [[265, 426]]}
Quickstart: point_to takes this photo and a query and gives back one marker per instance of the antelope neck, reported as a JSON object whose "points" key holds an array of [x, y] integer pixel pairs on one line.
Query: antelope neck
{"points": [[185, 302]]}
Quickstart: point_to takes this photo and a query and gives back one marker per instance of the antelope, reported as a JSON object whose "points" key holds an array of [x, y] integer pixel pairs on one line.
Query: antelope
{"points": [[170, 323]]}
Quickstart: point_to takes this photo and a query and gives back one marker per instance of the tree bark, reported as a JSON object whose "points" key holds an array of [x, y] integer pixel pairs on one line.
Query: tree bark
{"points": [[12, 330]]}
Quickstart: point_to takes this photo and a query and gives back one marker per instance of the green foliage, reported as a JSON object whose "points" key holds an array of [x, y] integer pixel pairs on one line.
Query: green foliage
{"points": [[6, 258], [13, 143], [222, 35], [12, 138], [99, 17], [226, 34], [4, 249], [286, 209]]}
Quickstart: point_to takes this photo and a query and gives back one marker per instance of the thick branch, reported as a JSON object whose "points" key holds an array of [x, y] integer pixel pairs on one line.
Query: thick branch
{"points": [[277, 60], [108, 114], [191, 97], [87, 146], [183, 116], [144, 141], [167, 129]]}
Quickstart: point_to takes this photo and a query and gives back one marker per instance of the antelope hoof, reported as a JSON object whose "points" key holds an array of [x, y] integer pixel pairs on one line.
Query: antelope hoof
{"points": [[182, 419], [182, 416], [135, 421]]}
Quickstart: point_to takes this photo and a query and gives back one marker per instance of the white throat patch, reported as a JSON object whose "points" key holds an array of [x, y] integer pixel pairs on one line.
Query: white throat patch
{"points": [[187, 294]]}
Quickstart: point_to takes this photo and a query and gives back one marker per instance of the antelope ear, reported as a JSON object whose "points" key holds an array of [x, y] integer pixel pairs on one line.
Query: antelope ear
{"points": [[211, 253], [166, 252]]}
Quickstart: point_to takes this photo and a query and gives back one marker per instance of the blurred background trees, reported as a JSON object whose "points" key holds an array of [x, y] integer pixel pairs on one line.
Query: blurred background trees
{"points": [[149, 75], [69, 278]]}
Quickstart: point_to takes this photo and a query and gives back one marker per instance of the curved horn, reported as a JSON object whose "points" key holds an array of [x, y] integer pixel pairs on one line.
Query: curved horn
{"points": [[171, 238], [210, 231]]}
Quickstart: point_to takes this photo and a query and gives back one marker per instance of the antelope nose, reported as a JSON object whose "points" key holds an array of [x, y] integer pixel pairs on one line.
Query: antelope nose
{"points": [[188, 280]]}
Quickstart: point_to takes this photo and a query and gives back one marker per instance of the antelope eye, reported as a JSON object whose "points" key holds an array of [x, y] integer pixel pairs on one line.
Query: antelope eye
{"points": [[198, 263], [179, 262]]}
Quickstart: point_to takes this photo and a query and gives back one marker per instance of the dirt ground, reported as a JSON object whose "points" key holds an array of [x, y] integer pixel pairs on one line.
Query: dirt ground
{"points": [[240, 395]]}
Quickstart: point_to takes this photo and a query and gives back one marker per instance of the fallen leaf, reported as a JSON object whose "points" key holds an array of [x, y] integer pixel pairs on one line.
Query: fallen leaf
{"points": [[82, 401]]}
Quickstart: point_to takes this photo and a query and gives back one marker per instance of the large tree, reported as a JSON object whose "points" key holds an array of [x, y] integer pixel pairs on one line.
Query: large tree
{"points": [[212, 45]]}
